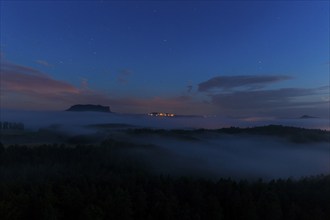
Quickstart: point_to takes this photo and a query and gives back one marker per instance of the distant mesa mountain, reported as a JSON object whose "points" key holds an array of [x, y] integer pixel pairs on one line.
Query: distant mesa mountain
{"points": [[307, 116], [89, 108]]}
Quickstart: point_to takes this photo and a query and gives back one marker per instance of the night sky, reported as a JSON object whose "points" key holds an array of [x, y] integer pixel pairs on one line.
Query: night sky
{"points": [[238, 59]]}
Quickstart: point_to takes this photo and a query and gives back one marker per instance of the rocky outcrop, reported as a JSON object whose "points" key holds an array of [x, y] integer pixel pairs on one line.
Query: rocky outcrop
{"points": [[89, 108]]}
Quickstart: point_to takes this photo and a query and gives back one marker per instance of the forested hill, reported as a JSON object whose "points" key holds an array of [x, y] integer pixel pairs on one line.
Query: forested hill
{"points": [[96, 182], [295, 134]]}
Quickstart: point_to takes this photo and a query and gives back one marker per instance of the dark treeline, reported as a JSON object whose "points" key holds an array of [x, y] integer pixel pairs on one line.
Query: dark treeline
{"points": [[295, 134], [5, 125], [102, 182]]}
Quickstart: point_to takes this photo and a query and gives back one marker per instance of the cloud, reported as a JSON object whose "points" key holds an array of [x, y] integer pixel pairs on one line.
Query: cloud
{"points": [[28, 80], [123, 76], [189, 88], [12, 67], [246, 81], [44, 63], [28, 88], [262, 99], [271, 102], [23, 87], [327, 63], [84, 83], [247, 96]]}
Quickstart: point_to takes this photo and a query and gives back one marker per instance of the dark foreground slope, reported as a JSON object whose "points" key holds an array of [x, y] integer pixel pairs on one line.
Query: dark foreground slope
{"points": [[101, 182]]}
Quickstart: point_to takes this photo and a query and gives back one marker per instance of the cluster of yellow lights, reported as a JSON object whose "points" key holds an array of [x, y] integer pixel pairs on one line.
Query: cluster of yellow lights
{"points": [[161, 114]]}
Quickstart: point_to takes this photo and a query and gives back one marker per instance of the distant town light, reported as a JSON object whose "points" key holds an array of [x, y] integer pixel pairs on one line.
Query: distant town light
{"points": [[161, 114]]}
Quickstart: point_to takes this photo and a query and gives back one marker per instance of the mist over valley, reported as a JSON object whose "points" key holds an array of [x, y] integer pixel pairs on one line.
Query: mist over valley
{"points": [[191, 146]]}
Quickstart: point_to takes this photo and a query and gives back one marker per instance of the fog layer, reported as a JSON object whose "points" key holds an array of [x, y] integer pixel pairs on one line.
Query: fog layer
{"points": [[236, 156], [201, 154], [38, 119]]}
